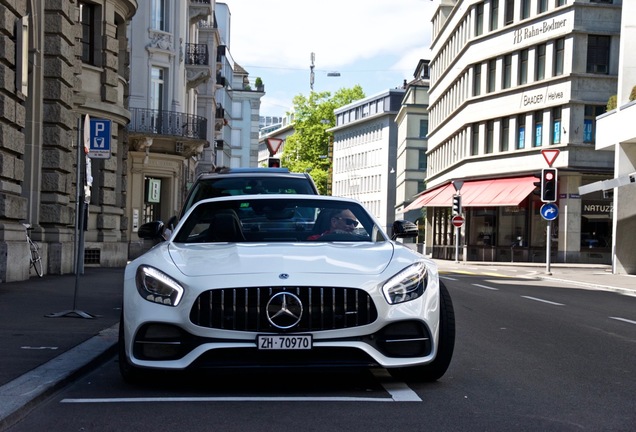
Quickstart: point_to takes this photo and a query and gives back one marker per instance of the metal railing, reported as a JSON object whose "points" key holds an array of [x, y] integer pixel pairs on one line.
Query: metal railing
{"points": [[149, 121], [197, 54]]}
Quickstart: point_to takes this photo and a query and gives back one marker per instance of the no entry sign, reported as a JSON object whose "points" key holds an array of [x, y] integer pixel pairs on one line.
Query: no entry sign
{"points": [[458, 221]]}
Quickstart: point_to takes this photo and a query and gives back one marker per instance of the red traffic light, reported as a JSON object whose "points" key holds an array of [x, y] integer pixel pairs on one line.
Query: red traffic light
{"points": [[549, 185], [273, 163]]}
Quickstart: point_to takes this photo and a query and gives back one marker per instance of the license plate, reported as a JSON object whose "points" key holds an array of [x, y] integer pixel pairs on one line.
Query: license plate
{"points": [[283, 342]]}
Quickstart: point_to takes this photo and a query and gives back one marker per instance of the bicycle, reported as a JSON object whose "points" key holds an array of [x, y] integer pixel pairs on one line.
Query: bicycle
{"points": [[34, 257]]}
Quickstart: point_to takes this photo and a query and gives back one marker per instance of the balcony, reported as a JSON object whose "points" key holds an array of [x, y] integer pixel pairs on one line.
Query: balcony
{"points": [[220, 81], [197, 54], [167, 123], [199, 10]]}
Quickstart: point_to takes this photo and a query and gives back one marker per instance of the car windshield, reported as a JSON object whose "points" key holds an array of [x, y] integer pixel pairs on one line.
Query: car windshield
{"points": [[278, 220]]}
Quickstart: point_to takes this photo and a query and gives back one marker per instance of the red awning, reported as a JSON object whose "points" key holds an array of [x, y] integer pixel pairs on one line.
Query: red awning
{"points": [[479, 193]]}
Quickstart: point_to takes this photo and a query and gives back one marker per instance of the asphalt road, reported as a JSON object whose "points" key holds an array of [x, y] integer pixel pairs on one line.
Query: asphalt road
{"points": [[530, 356]]}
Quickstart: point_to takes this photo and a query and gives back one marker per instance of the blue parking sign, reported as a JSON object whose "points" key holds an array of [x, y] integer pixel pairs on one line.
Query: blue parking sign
{"points": [[99, 146]]}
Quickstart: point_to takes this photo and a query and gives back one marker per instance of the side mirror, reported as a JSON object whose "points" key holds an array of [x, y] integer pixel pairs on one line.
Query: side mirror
{"points": [[404, 229], [151, 230]]}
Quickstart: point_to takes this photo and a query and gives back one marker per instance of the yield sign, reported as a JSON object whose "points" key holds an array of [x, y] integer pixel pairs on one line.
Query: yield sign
{"points": [[273, 144], [550, 155]]}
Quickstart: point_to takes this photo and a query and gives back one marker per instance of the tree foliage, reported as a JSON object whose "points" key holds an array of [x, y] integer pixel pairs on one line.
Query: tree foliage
{"points": [[306, 150]]}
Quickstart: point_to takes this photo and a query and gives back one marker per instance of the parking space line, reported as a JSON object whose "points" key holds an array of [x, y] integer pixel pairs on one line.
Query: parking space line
{"points": [[398, 390], [486, 287], [623, 319], [543, 301], [226, 399]]}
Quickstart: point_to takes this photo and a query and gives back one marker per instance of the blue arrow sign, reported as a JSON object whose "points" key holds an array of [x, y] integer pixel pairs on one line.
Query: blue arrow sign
{"points": [[99, 145], [549, 211]]}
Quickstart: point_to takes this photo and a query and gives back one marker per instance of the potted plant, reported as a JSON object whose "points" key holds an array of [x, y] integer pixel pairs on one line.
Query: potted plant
{"points": [[259, 84]]}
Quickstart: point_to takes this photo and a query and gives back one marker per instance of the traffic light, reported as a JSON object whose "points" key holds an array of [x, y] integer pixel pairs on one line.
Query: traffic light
{"points": [[273, 162], [457, 205], [549, 185]]}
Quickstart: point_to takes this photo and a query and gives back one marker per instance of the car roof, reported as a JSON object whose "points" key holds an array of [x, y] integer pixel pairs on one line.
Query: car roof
{"points": [[252, 172]]}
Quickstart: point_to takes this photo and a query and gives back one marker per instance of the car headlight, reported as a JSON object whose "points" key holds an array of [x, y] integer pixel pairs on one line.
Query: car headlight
{"points": [[407, 285], [157, 287]]}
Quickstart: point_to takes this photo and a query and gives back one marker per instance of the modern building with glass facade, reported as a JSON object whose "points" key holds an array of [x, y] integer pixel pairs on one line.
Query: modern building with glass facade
{"points": [[511, 80]]}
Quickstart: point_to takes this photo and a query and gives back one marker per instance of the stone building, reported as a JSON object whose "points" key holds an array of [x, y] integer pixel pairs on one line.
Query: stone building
{"points": [[61, 61]]}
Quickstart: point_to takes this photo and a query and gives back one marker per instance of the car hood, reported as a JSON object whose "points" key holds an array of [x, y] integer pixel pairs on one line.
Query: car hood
{"points": [[320, 258]]}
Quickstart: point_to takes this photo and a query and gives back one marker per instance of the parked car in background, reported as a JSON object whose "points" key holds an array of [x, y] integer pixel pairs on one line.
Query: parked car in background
{"points": [[265, 280]]}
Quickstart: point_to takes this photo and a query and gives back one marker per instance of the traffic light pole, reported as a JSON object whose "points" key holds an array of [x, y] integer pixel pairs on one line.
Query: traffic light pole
{"points": [[457, 244], [548, 242]]}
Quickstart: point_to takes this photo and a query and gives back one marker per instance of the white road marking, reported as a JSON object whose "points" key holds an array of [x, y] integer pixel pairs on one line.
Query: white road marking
{"points": [[623, 319], [226, 399], [543, 301], [486, 287], [448, 278], [39, 348], [398, 390]]}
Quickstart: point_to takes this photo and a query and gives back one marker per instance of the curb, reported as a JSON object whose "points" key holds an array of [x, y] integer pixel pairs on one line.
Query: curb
{"points": [[19, 396]]}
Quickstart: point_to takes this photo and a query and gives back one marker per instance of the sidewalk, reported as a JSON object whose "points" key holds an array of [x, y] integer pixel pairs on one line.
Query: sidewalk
{"points": [[40, 354]]}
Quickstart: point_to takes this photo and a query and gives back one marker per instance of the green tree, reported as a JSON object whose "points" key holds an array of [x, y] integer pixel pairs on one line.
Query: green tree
{"points": [[306, 150]]}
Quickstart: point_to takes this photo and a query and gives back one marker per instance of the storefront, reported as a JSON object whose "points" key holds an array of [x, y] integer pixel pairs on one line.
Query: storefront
{"points": [[503, 223]]}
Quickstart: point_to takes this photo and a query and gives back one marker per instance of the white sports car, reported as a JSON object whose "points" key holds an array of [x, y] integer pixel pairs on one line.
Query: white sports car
{"points": [[284, 280]]}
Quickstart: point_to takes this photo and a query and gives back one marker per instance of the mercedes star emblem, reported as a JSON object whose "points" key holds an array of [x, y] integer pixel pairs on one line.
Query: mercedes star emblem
{"points": [[284, 310]]}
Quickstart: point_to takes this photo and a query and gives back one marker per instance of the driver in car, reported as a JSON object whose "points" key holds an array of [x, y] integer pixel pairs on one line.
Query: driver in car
{"points": [[342, 221]]}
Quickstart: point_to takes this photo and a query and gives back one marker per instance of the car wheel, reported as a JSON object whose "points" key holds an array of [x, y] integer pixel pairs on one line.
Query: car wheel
{"points": [[130, 373], [436, 369]]}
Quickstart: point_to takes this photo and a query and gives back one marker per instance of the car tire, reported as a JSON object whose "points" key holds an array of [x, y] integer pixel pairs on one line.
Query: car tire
{"points": [[437, 368], [130, 373]]}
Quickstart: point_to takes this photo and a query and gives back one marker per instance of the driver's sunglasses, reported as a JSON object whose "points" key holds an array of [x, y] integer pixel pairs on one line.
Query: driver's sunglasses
{"points": [[348, 221]]}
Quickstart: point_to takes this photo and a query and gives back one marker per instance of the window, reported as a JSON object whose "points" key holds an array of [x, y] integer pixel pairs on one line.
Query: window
{"points": [[87, 17], [158, 15], [559, 55], [598, 48], [423, 128], [556, 125], [474, 144], [494, 14], [479, 19], [521, 131], [560, 3], [523, 66], [156, 90], [507, 71], [421, 160], [589, 121], [490, 136], [492, 75], [538, 129], [505, 134], [525, 9], [477, 80], [542, 6], [539, 70], [509, 13]]}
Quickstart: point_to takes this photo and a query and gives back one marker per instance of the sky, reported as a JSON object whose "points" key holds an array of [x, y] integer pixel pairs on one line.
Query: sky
{"points": [[374, 43]]}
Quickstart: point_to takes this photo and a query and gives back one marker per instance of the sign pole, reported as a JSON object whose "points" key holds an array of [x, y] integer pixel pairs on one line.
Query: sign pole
{"points": [[79, 230], [457, 245], [547, 248]]}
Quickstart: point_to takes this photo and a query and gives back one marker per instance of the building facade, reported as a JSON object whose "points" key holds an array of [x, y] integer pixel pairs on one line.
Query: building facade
{"points": [[509, 80], [364, 160], [172, 99], [617, 133], [412, 124], [62, 61]]}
